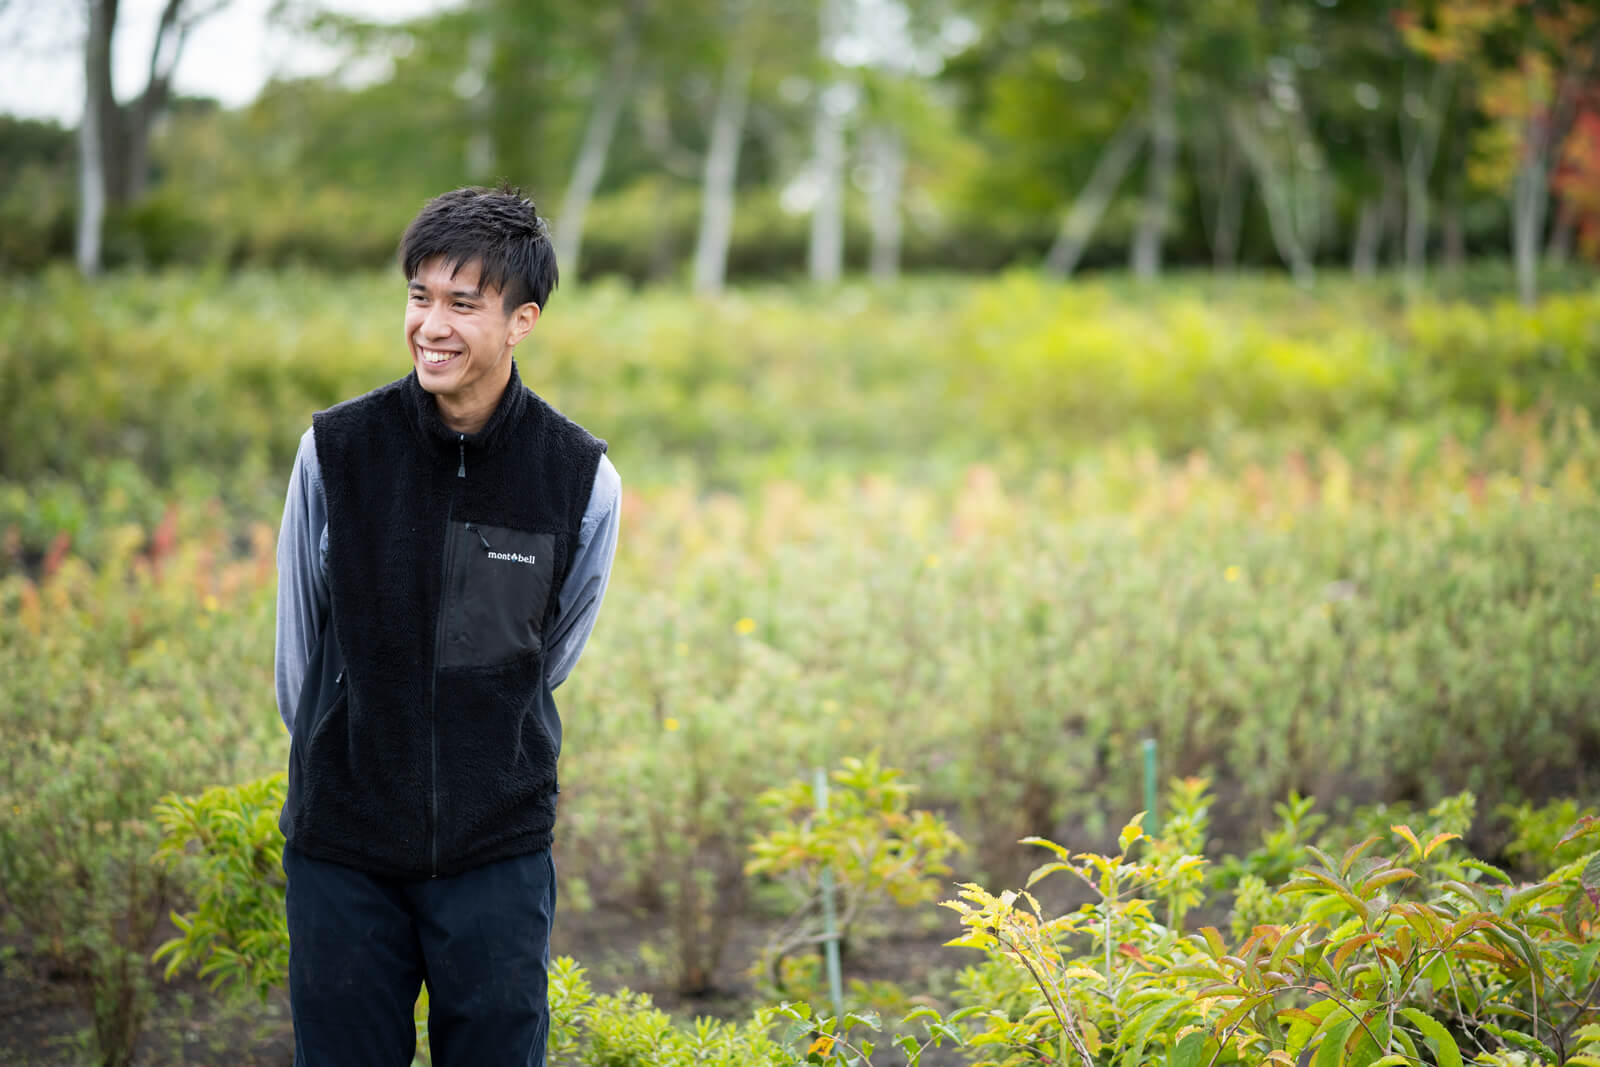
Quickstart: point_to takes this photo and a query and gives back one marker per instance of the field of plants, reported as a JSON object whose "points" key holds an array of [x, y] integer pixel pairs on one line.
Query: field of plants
{"points": [[1332, 551]]}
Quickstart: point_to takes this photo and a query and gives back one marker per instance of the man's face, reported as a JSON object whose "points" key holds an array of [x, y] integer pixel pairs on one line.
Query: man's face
{"points": [[461, 335]]}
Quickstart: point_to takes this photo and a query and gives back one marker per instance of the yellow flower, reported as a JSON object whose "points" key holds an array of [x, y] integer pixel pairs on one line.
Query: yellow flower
{"points": [[681, 648], [931, 560], [210, 603], [670, 724], [1232, 574], [1597, 583], [746, 625], [830, 707]]}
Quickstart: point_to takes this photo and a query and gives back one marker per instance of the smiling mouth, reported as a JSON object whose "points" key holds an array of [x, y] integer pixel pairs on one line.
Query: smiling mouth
{"points": [[434, 357]]}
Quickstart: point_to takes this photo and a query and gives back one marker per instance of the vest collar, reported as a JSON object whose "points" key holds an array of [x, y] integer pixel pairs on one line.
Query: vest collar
{"points": [[430, 425]]}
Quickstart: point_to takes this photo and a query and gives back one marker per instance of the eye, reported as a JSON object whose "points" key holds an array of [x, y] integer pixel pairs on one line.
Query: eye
{"points": [[417, 298], [463, 305]]}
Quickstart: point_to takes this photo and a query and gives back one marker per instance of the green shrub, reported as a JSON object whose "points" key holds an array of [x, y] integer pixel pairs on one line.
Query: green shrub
{"points": [[222, 372], [1391, 954], [855, 852], [143, 674]]}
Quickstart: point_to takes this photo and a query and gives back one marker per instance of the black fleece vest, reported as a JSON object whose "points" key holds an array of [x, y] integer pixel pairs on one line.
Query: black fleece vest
{"points": [[427, 754]]}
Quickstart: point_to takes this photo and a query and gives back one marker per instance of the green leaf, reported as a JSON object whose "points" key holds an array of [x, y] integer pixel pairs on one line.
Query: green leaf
{"points": [[1524, 1042], [1584, 964], [1590, 879], [1331, 1052], [1189, 1050], [1589, 824], [1354, 854], [1445, 1049]]}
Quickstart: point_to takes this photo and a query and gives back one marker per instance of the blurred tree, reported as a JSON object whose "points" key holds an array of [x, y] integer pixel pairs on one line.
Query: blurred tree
{"points": [[610, 96], [114, 138], [1533, 93]]}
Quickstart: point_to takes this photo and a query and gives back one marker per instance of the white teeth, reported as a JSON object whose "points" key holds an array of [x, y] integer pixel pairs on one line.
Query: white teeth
{"points": [[436, 357]]}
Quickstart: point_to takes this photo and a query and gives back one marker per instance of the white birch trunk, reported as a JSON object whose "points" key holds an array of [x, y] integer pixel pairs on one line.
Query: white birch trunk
{"points": [[597, 136], [91, 143], [825, 255], [1369, 232], [886, 149], [1529, 196], [1559, 250], [1275, 194], [1078, 226], [721, 172], [1145, 254], [480, 142], [1419, 159]]}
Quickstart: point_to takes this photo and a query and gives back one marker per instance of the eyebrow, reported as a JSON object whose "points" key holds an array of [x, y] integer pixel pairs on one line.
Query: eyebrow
{"points": [[470, 294]]}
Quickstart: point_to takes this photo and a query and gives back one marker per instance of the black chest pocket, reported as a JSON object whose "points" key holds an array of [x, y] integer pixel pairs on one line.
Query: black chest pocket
{"points": [[497, 585]]}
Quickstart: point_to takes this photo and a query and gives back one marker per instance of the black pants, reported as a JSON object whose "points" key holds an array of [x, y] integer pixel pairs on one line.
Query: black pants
{"points": [[360, 948]]}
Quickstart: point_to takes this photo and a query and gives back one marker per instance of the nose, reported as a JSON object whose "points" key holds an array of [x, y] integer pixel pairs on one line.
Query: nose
{"points": [[436, 322]]}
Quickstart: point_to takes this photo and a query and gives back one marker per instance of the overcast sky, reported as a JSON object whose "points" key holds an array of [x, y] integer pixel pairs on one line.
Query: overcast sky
{"points": [[230, 56]]}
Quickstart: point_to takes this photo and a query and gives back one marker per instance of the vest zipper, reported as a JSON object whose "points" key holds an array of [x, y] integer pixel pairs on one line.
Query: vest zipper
{"points": [[438, 652]]}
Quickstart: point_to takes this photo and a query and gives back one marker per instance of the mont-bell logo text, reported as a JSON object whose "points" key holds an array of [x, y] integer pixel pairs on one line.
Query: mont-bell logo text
{"points": [[513, 557]]}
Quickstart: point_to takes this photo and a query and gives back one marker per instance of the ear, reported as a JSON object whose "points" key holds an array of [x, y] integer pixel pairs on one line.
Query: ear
{"points": [[522, 320]]}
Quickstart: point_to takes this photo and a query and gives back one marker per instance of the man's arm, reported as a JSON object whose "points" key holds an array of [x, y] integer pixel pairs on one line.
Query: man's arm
{"points": [[302, 585], [586, 582]]}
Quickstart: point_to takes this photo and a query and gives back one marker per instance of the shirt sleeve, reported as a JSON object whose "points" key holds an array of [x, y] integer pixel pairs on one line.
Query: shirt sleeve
{"points": [[586, 582], [302, 585]]}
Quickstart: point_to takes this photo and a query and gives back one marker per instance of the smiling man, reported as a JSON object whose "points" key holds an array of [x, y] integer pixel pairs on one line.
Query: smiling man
{"points": [[446, 543]]}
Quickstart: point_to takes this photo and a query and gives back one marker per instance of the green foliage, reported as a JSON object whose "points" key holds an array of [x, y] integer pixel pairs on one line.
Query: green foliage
{"points": [[1391, 954], [142, 674], [924, 377], [866, 849], [226, 846], [1536, 830]]}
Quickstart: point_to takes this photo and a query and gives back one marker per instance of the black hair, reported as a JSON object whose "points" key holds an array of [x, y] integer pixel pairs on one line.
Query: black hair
{"points": [[499, 229]]}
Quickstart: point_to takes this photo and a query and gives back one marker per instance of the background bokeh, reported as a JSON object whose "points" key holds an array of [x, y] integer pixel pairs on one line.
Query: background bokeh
{"points": [[996, 385]]}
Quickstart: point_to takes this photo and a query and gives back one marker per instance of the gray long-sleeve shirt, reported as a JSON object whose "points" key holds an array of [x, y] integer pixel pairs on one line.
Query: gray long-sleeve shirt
{"points": [[303, 597]]}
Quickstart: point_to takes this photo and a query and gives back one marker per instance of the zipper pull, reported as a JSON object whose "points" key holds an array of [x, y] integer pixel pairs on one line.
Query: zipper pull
{"points": [[339, 677], [461, 442], [487, 547]]}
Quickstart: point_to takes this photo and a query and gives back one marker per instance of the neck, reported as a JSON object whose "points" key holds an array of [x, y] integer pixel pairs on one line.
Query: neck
{"points": [[469, 414]]}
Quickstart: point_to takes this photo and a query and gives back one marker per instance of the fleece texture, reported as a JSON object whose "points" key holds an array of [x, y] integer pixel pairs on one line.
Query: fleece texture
{"points": [[424, 760]]}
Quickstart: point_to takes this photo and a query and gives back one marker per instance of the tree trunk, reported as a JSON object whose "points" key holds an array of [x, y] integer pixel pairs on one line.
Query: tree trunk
{"points": [[1419, 157], [825, 257], [141, 115], [721, 172], [1529, 195], [1559, 250], [479, 155], [1280, 210], [1145, 254], [1217, 165], [1454, 238], [124, 130], [1230, 213], [1393, 219], [596, 145], [1369, 233], [91, 140], [1078, 226], [886, 148]]}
